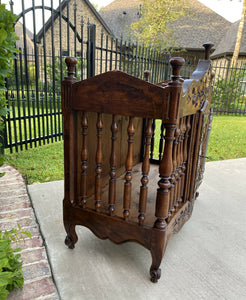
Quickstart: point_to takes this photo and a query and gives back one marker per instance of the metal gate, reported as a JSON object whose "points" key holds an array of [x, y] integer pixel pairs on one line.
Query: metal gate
{"points": [[33, 89]]}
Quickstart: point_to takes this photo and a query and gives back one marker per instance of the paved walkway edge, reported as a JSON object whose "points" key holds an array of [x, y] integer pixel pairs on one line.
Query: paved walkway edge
{"points": [[16, 208]]}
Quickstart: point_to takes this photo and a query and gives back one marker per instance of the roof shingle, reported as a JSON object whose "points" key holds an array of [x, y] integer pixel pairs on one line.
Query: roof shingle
{"points": [[201, 25], [227, 43]]}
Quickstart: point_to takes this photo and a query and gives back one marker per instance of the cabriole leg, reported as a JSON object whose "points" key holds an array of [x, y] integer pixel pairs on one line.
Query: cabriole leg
{"points": [[155, 271], [71, 238], [157, 250]]}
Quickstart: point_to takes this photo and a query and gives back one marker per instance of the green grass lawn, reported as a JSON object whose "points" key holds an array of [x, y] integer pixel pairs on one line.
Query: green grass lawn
{"points": [[45, 163], [41, 164], [228, 138]]}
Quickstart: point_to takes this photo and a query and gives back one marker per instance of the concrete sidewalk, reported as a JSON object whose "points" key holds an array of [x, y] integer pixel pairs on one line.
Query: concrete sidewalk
{"points": [[206, 260]]}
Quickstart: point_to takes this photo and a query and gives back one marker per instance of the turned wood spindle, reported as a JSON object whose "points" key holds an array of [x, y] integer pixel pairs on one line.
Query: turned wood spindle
{"points": [[182, 165], [165, 170], [176, 64], [71, 64], [172, 194], [113, 161], [174, 176], [69, 133], [194, 128], [161, 141], [147, 74], [84, 159], [190, 145], [128, 176], [179, 159], [185, 164], [176, 146], [166, 164], [152, 147], [98, 178], [145, 173]]}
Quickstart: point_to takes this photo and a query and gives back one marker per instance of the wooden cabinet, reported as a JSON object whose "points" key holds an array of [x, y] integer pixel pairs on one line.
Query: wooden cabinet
{"points": [[113, 185]]}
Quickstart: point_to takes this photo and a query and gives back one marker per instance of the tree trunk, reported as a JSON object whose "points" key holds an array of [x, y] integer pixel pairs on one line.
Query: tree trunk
{"points": [[239, 37]]}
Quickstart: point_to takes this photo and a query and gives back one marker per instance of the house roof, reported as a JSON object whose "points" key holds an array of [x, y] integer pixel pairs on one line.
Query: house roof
{"points": [[191, 31], [63, 5], [119, 14], [227, 44], [20, 34]]}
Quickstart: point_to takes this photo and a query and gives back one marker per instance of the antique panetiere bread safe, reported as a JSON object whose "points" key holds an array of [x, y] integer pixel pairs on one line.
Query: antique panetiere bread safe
{"points": [[113, 184]]}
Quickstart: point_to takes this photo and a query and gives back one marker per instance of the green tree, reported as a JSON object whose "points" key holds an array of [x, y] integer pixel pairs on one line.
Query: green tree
{"points": [[7, 41], [152, 27]]}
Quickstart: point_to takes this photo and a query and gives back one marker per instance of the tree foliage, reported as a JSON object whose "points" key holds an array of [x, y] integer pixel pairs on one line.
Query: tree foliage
{"points": [[152, 28], [228, 93], [10, 264], [7, 41]]}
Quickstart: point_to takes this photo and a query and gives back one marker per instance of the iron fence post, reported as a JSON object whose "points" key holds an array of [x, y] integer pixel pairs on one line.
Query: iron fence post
{"points": [[3, 137], [91, 50], [166, 75]]}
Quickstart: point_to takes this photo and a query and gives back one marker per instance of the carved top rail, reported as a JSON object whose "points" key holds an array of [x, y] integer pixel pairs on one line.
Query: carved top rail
{"points": [[116, 92], [197, 91], [119, 93]]}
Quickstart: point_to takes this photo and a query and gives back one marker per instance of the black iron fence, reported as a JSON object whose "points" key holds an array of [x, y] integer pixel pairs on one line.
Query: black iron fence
{"points": [[33, 88], [229, 94]]}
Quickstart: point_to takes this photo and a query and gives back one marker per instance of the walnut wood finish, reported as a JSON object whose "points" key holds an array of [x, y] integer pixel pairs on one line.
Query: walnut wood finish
{"points": [[98, 179], [84, 160], [107, 188], [113, 159], [128, 176], [145, 172]]}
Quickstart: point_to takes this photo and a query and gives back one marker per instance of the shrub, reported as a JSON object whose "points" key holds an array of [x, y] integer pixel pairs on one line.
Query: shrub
{"points": [[10, 264], [7, 41], [228, 91]]}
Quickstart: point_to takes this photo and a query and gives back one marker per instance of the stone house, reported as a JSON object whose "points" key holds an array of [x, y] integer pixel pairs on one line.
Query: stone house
{"points": [[222, 56], [67, 26], [224, 51], [29, 40], [199, 26]]}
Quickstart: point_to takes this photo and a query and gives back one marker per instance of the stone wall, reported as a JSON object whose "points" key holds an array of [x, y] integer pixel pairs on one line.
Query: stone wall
{"points": [[82, 11]]}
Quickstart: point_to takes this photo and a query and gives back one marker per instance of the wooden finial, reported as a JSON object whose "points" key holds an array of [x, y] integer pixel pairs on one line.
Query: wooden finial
{"points": [[71, 63], [208, 46], [146, 75], [176, 64]]}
